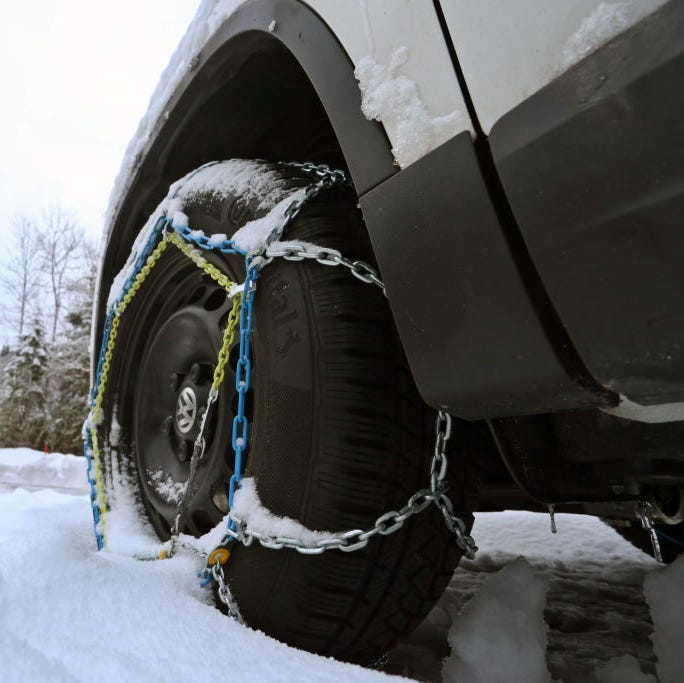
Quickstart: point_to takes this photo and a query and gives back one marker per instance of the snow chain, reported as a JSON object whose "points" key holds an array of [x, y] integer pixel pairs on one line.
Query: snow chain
{"points": [[190, 242]]}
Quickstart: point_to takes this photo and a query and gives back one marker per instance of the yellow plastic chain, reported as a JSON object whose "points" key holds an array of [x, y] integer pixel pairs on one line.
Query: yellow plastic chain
{"points": [[229, 333], [196, 257], [228, 337]]}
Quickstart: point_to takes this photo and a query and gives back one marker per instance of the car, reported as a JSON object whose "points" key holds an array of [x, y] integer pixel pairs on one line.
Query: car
{"points": [[505, 180]]}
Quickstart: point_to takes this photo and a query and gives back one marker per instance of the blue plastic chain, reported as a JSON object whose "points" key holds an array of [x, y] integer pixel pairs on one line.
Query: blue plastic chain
{"points": [[207, 243], [88, 453], [243, 372], [159, 226], [243, 379], [242, 382], [667, 537]]}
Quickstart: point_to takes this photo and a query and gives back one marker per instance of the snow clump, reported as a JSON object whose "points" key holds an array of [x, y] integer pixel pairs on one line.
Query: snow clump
{"points": [[167, 487], [500, 636], [126, 528], [256, 184], [393, 99], [664, 592], [606, 21], [29, 469], [248, 507], [252, 237]]}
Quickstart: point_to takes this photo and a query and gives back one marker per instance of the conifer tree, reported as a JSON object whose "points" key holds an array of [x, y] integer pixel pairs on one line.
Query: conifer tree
{"points": [[70, 384], [23, 409], [69, 380]]}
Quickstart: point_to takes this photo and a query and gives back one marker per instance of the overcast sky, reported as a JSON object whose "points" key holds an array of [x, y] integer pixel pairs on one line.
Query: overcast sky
{"points": [[76, 78]]}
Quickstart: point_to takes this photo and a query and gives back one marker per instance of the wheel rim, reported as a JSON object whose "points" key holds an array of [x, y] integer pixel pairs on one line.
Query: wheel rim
{"points": [[172, 343]]}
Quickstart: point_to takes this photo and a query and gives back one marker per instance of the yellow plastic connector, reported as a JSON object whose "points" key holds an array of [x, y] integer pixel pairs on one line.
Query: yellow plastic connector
{"points": [[220, 555]]}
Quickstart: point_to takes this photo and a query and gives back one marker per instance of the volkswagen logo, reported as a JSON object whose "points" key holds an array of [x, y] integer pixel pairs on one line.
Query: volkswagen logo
{"points": [[186, 410]]}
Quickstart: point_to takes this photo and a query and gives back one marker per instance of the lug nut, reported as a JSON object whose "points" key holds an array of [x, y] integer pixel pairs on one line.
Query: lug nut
{"points": [[167, 426], [175, 381], [200, 373], [220, 500]]}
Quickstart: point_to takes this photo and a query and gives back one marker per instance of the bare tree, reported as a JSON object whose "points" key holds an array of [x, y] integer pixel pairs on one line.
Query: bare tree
{"points": [[45, 375], [81, 288], [60, 240], [21, 275]]}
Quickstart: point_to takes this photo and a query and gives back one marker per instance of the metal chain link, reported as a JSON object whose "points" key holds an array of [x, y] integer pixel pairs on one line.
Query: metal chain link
{"points": [[644, 513], [326, 179], [355, 539], [385, 524], [438, 468], [300, 251], [224, 593]]}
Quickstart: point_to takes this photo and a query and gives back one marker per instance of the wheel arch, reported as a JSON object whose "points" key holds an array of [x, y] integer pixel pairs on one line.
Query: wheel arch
{"points": [[271, 65]]}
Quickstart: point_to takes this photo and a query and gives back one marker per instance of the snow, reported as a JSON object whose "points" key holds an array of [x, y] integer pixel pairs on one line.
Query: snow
{"points": [[252, 237], [606, 21], [69, 613], [257, 184], [249, 509], [387, 95], [126, 532], [587, 543], [79, 615], [500, 635], [216, 239], [33, 470], [664, 592], [654, 414], [252, 180], [394, 99], [172, 491], [114, 428], [573, 608], [594, 608]]}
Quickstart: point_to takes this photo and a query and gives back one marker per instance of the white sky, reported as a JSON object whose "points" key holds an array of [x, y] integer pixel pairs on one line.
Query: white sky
{"points": [[76, 77]]}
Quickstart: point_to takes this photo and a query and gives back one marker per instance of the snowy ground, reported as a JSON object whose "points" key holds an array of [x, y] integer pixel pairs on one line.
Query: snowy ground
{"points": [[573, 610]]}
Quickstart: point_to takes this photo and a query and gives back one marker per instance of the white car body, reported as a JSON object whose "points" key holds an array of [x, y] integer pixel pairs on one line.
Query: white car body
{"points": [[508, 50]]}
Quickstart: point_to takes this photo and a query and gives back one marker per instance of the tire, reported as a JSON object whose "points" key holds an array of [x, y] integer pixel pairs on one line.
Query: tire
{"points": [[338, 433]]}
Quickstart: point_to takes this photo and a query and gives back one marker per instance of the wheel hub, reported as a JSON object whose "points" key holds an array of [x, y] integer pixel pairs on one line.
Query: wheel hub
{"points": [[172, 395]]}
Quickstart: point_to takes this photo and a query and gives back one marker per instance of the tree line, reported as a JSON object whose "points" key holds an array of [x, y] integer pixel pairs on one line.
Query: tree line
{"points": [[48, 284]]}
